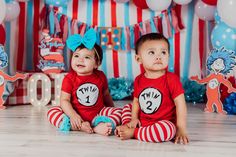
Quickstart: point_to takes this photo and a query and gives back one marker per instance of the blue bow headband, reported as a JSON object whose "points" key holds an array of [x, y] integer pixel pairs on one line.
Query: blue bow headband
{"points": [[88, 40]]}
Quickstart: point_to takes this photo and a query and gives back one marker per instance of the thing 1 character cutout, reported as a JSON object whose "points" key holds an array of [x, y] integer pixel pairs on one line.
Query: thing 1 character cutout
{"points": [[219, 63], [4, 77]]}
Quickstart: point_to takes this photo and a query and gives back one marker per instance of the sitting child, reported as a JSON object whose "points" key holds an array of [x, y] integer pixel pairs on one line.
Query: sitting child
{"points": [[86, 104], [158, 109]]}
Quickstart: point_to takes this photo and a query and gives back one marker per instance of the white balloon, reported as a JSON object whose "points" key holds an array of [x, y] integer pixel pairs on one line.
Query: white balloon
{"points": [[182, 2], [204, 11], [2, 10], [12, 10], [158, 5], [227, 11]]}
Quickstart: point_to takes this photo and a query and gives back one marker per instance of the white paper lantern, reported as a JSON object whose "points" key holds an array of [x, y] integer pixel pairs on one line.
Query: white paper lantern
{"points": [[158, 5]]}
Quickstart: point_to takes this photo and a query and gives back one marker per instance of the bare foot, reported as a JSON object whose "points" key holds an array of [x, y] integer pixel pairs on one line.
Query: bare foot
{"points": [[86, 127], [119, 128], [2, 107], [126, 133], [103, 129]]}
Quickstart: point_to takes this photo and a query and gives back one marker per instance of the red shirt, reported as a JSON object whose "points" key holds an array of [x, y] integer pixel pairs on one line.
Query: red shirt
{"points": [[156, 97], [86, 93]]}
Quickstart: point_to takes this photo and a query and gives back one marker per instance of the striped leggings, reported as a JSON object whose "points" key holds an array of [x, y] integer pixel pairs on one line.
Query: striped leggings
{"points": [[160, 131], [55, 115]]}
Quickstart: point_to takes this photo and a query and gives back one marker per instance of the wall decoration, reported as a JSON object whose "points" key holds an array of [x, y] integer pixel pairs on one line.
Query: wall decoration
{"points": [[219, 62], [51, 51], [34, 89], [5, 77], [128, 34], [110, 38]]}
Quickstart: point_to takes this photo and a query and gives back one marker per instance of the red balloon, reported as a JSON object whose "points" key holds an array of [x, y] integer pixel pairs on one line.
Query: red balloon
{"points": [[2, 35], [141, 4], [210, 2]]}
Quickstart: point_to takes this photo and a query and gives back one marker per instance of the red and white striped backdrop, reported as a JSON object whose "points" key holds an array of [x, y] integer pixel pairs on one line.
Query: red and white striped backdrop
{"points": [[189, 54]]}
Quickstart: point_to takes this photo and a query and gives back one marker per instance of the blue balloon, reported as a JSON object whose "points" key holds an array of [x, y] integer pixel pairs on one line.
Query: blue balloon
{"points": [[223, 36], [217, 17], [57, 3]]}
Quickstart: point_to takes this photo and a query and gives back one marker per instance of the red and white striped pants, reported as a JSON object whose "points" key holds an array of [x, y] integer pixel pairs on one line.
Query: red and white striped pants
{"points": [[55, 115], [160, 131]]}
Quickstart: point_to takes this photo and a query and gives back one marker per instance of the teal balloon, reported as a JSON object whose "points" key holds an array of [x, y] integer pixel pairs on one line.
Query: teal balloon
{"points": [[223, 36], [217, 17]]}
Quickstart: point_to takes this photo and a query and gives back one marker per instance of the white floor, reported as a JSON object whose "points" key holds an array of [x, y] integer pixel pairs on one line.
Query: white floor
{"points": [[25, 132]]}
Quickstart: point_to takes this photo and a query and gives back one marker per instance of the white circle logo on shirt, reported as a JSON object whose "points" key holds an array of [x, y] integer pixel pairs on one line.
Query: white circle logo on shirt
{"points": [[87, 94], [1, 80], [150, 100], [213, 83]]}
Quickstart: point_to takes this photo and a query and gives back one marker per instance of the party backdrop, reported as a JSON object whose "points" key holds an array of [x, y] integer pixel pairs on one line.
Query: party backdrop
{"points": [[190, 42]]}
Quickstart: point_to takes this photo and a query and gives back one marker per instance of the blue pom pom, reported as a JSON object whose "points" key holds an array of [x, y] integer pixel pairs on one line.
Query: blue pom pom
{"points": [[65, 124], [229, 104], [194, 92], [120, 88], [103, 119]]}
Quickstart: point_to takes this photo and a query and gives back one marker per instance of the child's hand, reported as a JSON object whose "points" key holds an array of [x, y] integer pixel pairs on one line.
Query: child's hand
{"points": [[134, 123], [76, 122], [181, 137]]}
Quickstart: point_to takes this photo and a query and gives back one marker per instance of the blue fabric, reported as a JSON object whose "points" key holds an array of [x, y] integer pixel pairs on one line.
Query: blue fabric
{"points": [[65, 124], [103, 119], [189, 30], [51, 22], [29, 32], [3, 57], [88, 40]]}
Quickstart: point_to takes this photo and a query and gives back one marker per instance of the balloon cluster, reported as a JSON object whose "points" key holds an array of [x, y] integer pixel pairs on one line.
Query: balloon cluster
{"points": [[224, 32], [194, 92], [158, 5], [230, 104], [120, 88]]}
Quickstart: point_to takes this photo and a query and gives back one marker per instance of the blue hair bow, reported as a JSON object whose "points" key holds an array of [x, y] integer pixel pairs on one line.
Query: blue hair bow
{"points": [[88, 40]]}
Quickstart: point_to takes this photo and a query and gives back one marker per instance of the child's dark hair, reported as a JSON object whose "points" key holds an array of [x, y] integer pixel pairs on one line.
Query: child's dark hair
{"points": [[150, 36], [98, 52]]}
